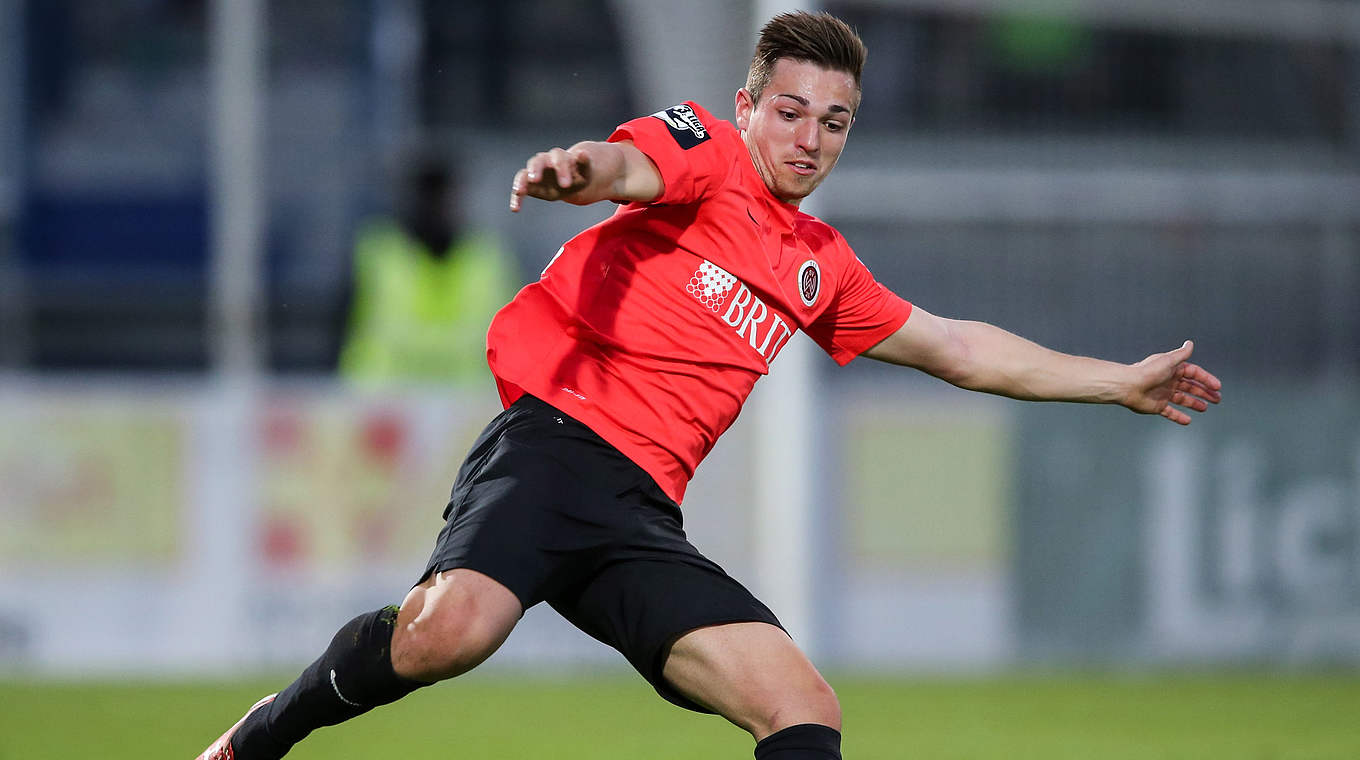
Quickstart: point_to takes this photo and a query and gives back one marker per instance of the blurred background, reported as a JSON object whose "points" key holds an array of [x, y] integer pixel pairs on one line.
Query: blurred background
{"points": [[192, 480]]}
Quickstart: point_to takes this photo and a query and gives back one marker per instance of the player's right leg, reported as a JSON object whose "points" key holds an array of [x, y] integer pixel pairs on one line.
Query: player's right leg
{"points": [[501, 546], [447, 625], [450, 624]]}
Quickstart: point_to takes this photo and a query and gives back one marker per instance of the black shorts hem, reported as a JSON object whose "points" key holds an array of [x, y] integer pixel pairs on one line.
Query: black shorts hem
{"points": [[444, 565]]}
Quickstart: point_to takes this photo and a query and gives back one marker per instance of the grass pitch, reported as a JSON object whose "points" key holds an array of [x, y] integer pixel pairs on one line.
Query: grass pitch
{"points": [[1213, 716]]}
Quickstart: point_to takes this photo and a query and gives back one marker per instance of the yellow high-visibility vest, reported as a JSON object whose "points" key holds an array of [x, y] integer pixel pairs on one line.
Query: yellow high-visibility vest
{"points": [[420, 319]]}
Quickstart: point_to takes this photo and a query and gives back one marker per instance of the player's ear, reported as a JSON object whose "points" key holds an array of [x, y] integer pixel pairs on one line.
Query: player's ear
{"points": [[745, 105]]}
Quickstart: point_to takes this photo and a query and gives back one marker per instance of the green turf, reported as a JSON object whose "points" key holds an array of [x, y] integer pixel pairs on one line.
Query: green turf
{"points": [[1237, 717]]}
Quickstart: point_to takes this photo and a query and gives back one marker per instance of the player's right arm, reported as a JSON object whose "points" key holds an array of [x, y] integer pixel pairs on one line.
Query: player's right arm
{"points": [[588, 172]]}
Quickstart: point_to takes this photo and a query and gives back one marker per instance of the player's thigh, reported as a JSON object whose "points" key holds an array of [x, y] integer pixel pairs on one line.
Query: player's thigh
{"points": [[451, 623], [752, 674]]}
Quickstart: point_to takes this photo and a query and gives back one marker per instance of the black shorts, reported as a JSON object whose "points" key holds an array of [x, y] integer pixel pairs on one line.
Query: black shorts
{"points": [[549, 509]]}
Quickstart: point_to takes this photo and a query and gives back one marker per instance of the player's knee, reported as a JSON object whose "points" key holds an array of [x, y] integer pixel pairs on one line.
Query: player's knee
{"points": [[443, 638], [434, 650], [814, 702]]}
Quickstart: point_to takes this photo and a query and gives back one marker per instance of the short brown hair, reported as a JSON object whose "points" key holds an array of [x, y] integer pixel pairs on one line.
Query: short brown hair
{"points": [[818, 38]]}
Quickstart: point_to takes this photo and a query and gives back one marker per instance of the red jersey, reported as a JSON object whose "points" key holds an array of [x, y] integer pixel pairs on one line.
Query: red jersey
{"points": [[652, 326]]}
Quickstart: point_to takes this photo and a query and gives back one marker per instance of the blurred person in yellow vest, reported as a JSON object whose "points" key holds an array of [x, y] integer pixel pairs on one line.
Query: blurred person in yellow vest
{"points": [[424, 289]]}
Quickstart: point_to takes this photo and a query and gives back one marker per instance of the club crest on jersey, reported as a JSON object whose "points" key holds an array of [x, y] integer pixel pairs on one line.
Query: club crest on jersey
{"points": [[684, 125], [809, 282]]}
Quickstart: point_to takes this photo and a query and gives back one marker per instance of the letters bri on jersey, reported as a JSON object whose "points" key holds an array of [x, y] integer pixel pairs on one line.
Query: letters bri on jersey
{"points": [[684, 125], [763, 328]]}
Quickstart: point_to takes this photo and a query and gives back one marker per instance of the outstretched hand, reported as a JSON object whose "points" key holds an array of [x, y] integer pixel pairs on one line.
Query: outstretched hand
{"points": [[1167, 382], [551, 175]]}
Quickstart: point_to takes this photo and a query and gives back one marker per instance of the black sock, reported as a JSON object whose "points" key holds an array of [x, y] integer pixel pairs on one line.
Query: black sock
{"points": [[353, 676], [808, 741]]}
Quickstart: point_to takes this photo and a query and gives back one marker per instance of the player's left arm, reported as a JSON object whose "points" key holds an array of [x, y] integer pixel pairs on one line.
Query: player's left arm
{"points": [[982, 357]]}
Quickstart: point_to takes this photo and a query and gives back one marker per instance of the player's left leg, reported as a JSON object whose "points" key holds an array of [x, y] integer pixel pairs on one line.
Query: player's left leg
{"points": [[706, 643], [696, 634], [755, 676]]}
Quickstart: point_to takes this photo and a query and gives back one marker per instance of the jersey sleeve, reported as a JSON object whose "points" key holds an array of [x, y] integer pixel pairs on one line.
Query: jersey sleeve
{"points": [[680, 141], [862, 313]]}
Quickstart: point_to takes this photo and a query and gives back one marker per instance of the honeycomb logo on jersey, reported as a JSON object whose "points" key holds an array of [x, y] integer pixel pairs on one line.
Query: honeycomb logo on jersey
{"points": [[684, 125], [710, 284], [739, 308], [809, 282]]}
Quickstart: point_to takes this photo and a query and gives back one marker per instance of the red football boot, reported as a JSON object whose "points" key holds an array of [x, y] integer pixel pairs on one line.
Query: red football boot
{"points": [[221, 749]]}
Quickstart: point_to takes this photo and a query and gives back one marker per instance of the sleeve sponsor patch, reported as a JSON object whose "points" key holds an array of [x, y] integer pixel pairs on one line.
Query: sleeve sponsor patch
{"points": [[684, 125]]}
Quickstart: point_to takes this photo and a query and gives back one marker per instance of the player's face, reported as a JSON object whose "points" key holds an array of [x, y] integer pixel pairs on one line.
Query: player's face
{"points": [[796, 132]]}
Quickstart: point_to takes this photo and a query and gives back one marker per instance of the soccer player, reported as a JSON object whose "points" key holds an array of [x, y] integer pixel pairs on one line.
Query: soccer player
{"points": [[620, 368]]}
